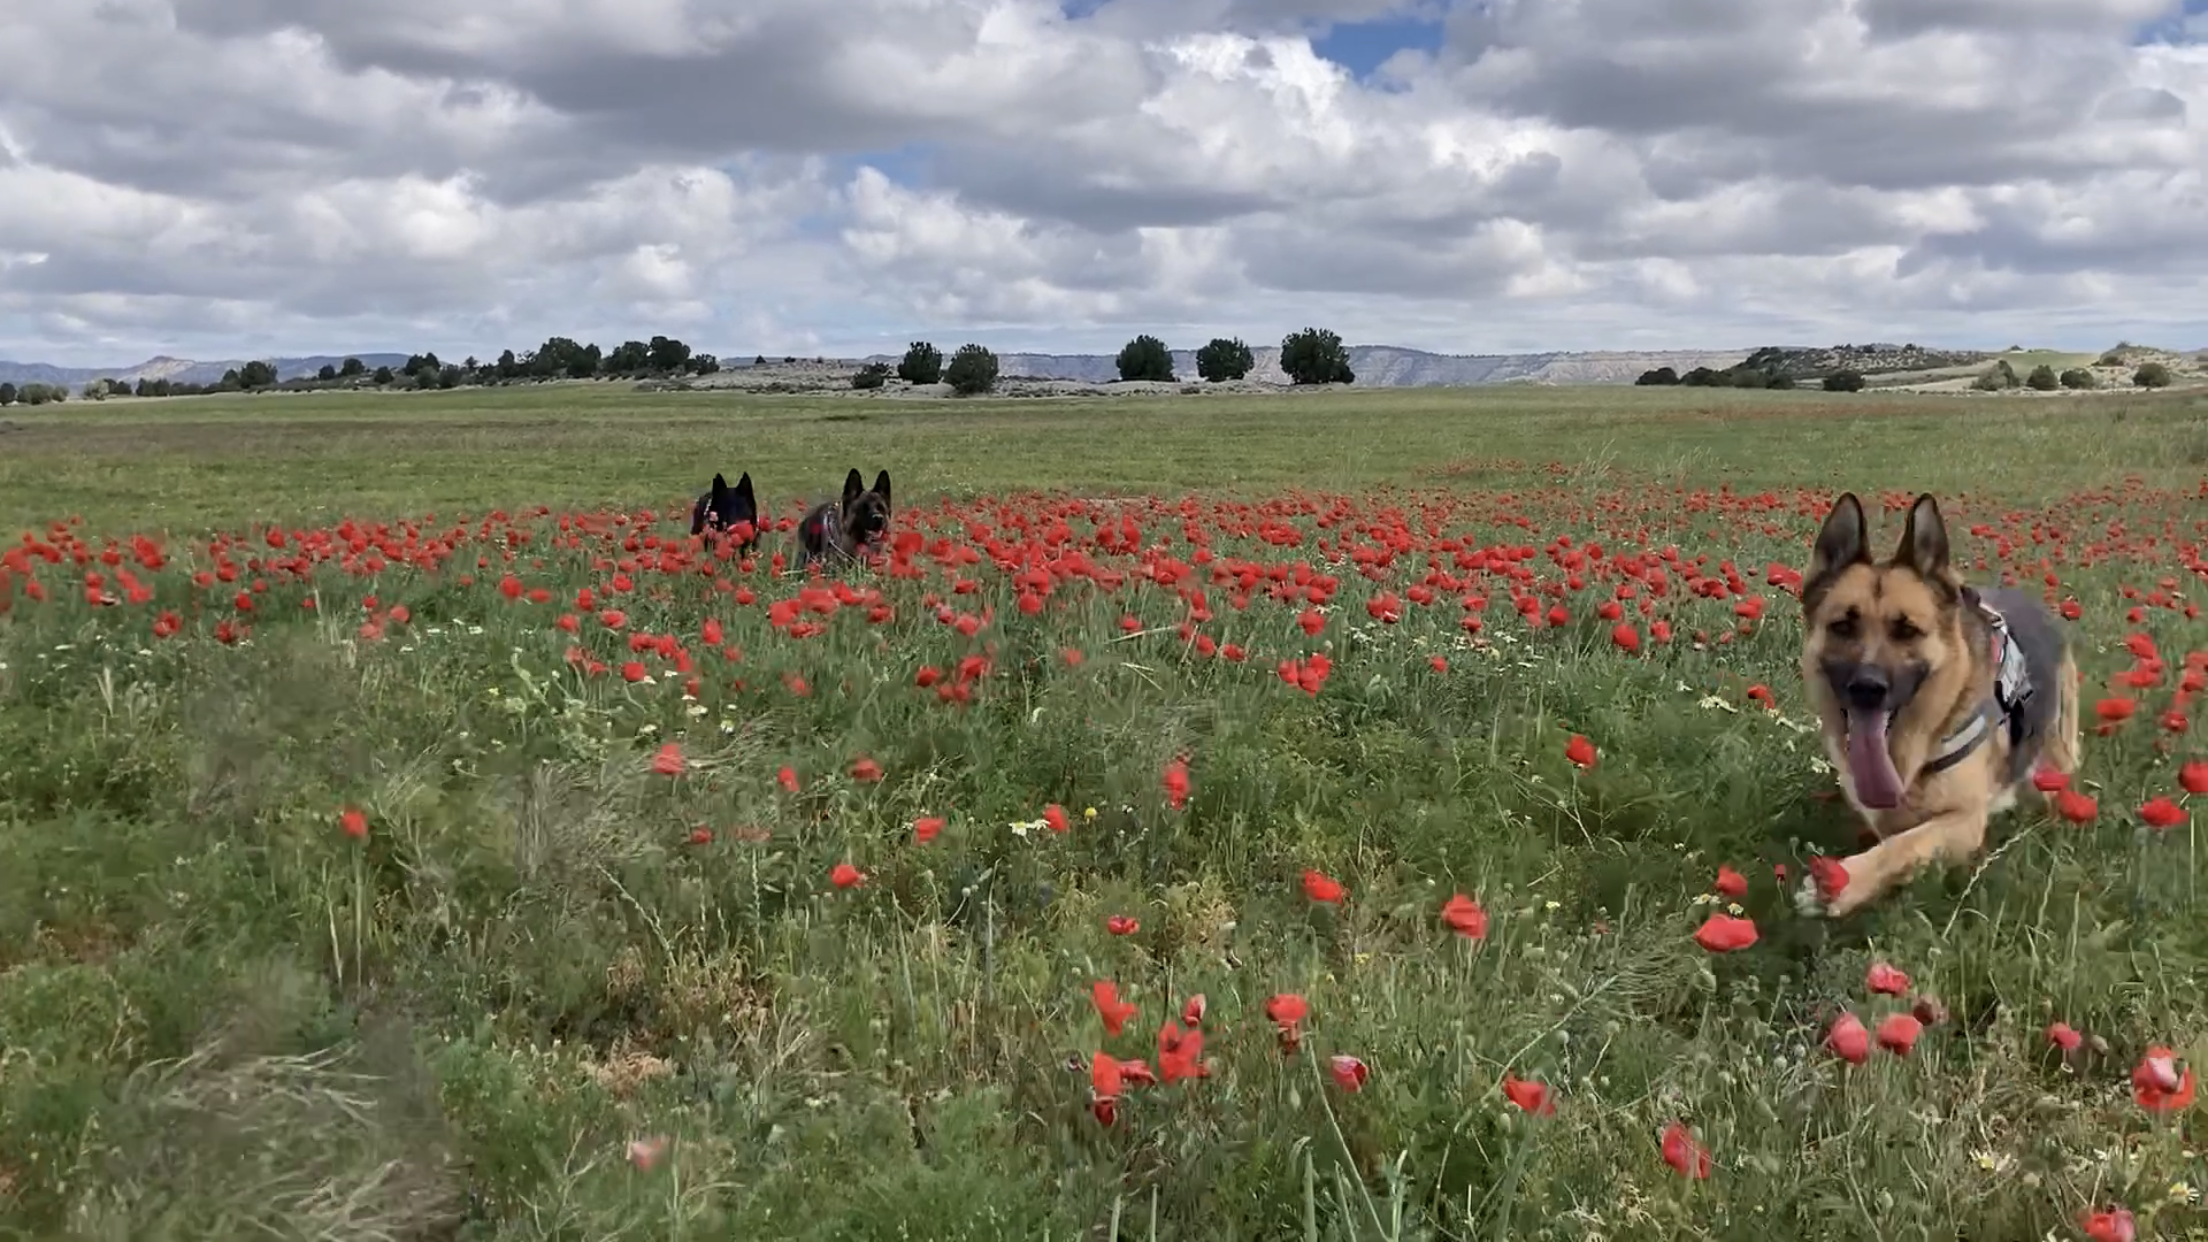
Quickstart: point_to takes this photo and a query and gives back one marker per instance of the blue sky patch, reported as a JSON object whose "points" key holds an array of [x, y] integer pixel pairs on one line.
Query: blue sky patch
{"points": [[1361, 47]]}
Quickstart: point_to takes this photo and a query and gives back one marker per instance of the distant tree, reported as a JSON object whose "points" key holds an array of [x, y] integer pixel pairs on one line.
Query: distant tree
{"points": [[1748, 377], [665, 353], [972, 371], [1225, 358], [628, 358], [2151, 375], [1146, 358], [426, 379], [1997, 378], [383, 376], [1844, 381], [470, 365], [1657, 378], [326, 373], [57, 393], [32, 394], [922, 364], [351, 367], [2042, 379], [1782, 382], [7, 393], [257, 374], [450, 377], [872, 375], [1315, 356], [704, 364], [2079, 377], [508, 365], [95, 390], [1704, 377]]}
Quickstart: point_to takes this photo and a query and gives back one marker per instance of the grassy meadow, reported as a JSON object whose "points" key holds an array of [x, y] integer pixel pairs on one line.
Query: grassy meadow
{"points": [[1214, 817]]}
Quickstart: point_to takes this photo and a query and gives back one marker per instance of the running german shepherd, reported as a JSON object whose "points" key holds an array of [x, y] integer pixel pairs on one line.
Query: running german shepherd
{"points": [[848, 527], [1938, 700]]}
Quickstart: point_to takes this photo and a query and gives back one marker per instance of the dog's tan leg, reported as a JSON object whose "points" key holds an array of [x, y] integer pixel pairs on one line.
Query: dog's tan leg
{"points": [[1945, 838], [2065, 746]]}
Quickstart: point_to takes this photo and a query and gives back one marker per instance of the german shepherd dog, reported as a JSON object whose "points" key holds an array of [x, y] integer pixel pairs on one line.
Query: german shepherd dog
{"points": [[849, 527], [728, 509], [1937, 699]]}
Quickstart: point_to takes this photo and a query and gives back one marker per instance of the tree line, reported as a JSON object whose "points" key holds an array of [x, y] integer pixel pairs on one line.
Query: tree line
{"points": [[1309, 356]]}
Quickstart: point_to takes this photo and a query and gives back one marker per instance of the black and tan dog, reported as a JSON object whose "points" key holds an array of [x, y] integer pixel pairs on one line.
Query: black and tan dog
{"points": [[728, 510], [1938, 700], [849, 527]]}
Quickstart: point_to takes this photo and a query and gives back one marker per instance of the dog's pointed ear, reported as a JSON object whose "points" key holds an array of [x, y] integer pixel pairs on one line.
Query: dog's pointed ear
{"points": [[1924, 546], [881, 486], [746, 501], [1844, 539], [720, 485], [852, 485]]}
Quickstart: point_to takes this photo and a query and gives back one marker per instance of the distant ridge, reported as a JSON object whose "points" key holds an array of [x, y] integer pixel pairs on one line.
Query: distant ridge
{"points": [[180, 370]]}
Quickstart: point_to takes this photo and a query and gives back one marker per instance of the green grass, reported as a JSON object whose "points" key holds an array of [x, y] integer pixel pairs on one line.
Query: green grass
{"points": [[220, 1016]]}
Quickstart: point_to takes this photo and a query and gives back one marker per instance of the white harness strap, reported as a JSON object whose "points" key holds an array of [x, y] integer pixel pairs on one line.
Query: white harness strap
{"points": [[2012, 684]]}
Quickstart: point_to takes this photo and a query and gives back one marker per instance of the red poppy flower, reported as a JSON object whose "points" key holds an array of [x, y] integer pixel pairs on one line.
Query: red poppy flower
{"points": [[1530, 1097], [1465, 917], [1731, 883], [1580, 751], [787, 778], [2160, 1084], [1121, 925], [1830, 875], [2047, 780], [669, 761], [1180, 1053], [1886, 979], [1349, 1072], [2162, 814], [1176, 784], [2076, 807], [1109, 1007], [2192, 777], [2113, 1224], [1055, 816], [1722, 933], [2062, 1035], [865, 770], [1686, 1157], [844, 875], [1319, 888], [1848, 1040], [1192, 1013], [1898, 1033], [353, 822], [927, 828]]}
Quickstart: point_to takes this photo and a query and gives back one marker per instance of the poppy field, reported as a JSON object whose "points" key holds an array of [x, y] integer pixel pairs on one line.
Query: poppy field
{"points": [[1396, 839]]}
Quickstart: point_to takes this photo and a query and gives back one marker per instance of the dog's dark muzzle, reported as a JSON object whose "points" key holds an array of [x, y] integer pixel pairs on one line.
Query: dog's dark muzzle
{"points": [[1871, 687]]}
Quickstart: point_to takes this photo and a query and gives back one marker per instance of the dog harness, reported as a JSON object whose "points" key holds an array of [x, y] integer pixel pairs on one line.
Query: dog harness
{"points": [[2012, 686]]}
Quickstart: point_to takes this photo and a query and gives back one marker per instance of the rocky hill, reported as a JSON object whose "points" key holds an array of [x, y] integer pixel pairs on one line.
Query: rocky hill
{"points": [[1813, 362]]}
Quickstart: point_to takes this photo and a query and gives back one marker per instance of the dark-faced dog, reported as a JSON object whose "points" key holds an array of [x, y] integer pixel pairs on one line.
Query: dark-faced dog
{"points": [[727, 510], [1937, 699], [848, 527]]}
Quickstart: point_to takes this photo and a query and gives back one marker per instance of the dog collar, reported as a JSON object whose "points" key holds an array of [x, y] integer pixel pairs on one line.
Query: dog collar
{"points": [[2011, 686]]}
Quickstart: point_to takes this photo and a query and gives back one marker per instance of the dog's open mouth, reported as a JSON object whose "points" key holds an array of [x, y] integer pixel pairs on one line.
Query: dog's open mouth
{"points": [[1870, 767]]}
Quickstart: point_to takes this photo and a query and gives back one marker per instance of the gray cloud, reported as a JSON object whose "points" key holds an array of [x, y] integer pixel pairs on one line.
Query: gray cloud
{"points": [[294, 174]]}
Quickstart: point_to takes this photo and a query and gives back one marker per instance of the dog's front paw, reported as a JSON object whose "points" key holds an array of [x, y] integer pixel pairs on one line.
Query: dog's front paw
{"points": [[1810, 903]]}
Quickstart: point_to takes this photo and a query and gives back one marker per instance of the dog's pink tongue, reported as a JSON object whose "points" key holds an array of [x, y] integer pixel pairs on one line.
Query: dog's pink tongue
{"points": [[1877, 785]]}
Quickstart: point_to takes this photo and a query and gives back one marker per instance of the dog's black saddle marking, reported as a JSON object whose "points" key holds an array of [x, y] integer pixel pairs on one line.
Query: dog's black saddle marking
{"points": [[2005, 707]]}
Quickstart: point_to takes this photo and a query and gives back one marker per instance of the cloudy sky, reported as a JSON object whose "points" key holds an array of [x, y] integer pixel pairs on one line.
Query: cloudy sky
{"points": [[226, 178]]}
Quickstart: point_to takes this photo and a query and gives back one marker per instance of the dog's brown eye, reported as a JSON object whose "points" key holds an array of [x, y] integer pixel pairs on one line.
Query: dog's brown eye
{"points": [[1904, 631], [1843, 627]]}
